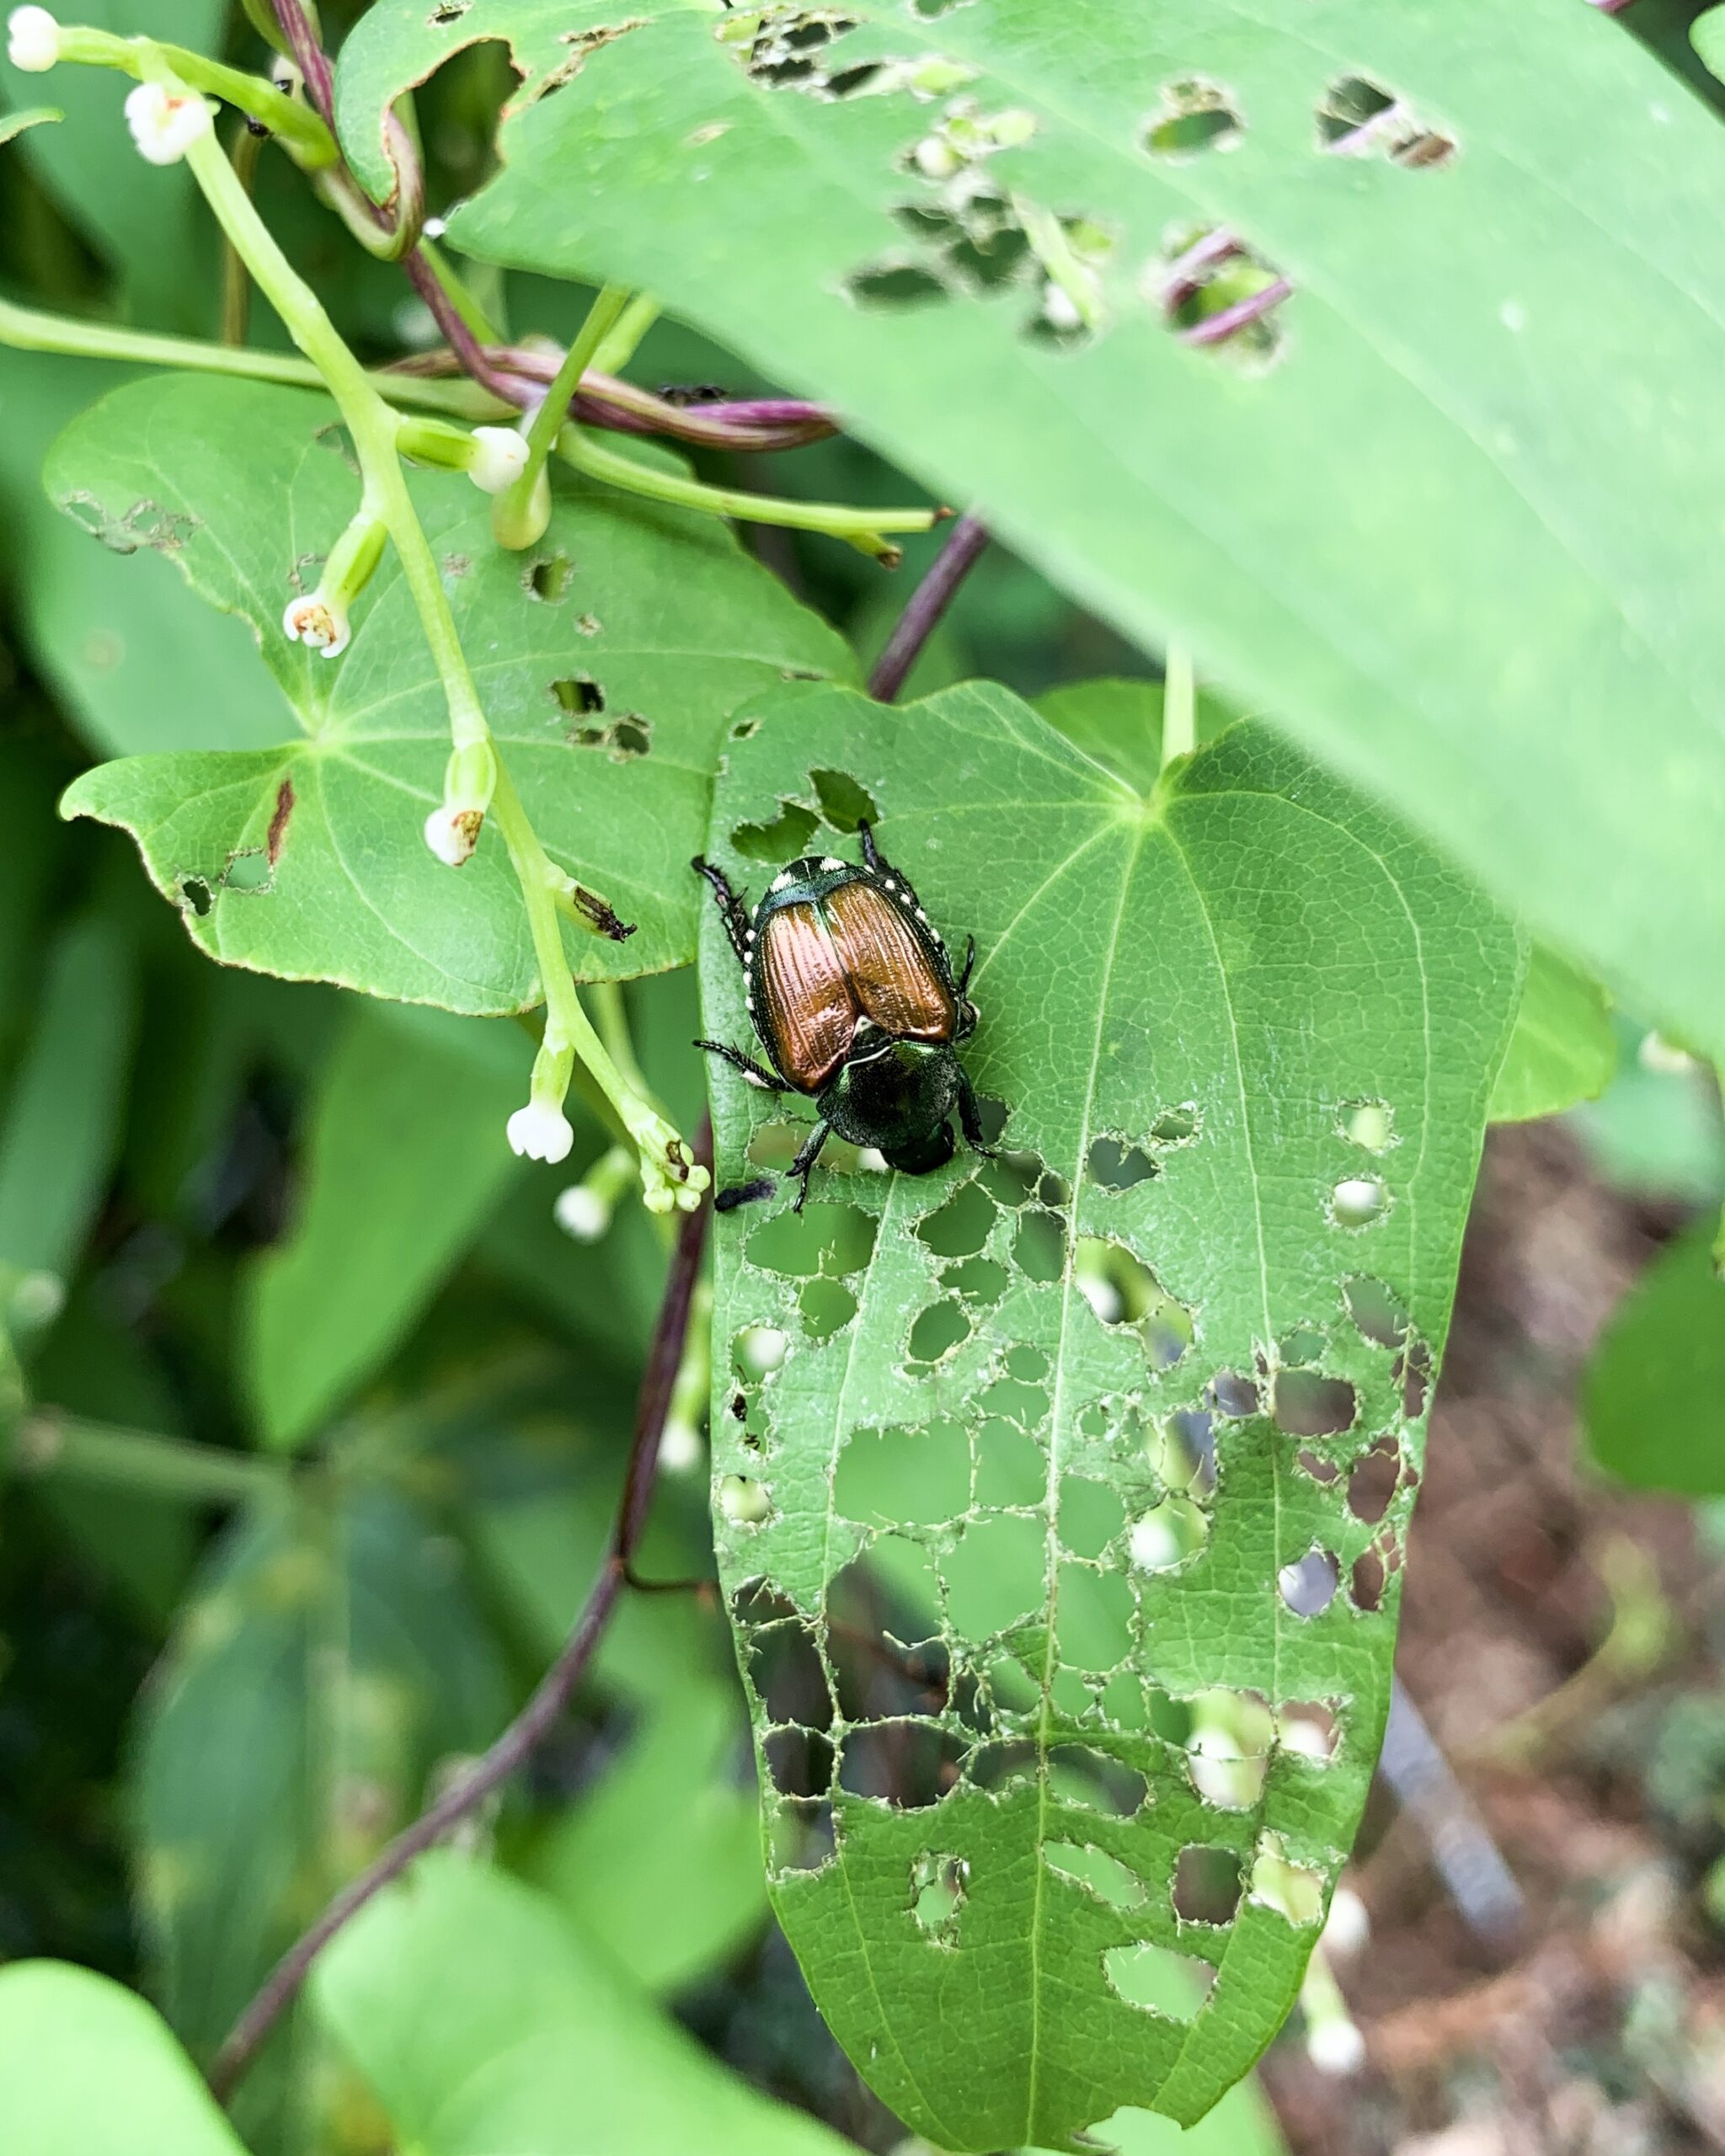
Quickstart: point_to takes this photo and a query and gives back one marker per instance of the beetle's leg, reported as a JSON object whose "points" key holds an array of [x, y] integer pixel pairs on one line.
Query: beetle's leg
{"points": [[755, 1073], [970, 962], [808, 1155], [970, 1117], [731, 909], [871, 859]]}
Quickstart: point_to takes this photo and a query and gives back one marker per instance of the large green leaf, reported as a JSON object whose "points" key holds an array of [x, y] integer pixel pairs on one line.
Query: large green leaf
{"points": [[329, 1658], [1654, 1400], [1437, 533], [404, 1165], [540, 2048], [306, 860], [1093, 1418], [87, 2066]]}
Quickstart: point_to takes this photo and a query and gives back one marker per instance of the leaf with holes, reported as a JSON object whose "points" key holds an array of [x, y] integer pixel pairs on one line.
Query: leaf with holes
{"points": [[608, 658], [1411, 507], [1061, 1493]]}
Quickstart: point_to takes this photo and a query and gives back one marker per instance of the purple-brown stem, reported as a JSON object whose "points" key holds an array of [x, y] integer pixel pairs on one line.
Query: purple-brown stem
{"points": [[1215, 328], [554, 1690], [926, 604]]}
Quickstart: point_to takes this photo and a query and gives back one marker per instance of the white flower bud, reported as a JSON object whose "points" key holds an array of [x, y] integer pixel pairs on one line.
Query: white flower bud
{"points": [[582, 1213], [540, 1133], [1336, 2046], [165, 123], [679, 1446], [499, 458], [1349, 1924], [313, 620], [32, 40], [452, 834], [1059, 310]]}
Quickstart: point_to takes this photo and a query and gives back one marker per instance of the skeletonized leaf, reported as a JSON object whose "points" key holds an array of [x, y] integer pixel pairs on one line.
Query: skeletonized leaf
{"points": [[1411, 509], [1061, 1535], [608, 658]]}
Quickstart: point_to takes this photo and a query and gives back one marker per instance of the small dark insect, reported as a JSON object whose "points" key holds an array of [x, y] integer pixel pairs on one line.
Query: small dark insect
{"points": [[740, 1406], [693, 392], [854, 999]]}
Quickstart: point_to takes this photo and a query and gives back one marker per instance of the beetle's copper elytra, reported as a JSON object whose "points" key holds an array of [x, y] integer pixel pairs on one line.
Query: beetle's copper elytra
{"points": [[853, 997]]}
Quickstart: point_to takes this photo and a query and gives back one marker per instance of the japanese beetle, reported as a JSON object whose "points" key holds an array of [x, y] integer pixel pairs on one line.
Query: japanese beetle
{"points": [[853, 998]]}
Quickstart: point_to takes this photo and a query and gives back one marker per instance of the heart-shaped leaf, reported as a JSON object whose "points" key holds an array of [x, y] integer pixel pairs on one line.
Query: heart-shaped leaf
{"points": [[1062, 1531], [608, 658]]}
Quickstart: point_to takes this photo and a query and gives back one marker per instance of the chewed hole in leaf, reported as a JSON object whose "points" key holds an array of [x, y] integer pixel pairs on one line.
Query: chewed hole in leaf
{"points": [[1308, 1404], [939, 1885], [1228, 1746], [1373, 1482], [785, 1670], [843, 803], [1294, 1890], [800, 1836], [744, 1502], [1233, 1394], [1004, 1764], [1358, 118], [776, 1144], [939, 1330], [1079, 1774], [1183, 1449], [895, 286], [1019, 1399], [827, 1307], [1095, 1870], [1156, 1980], [1206, 1885], [1303, 1346], [759, 1350], [910, 1764], [548, 577], [1168, 1535], [1377, 1310], [1091, 1515], [1123, 1290], [779, 841], [1039, 1247], [1011, 1469], [447, 11], [961, 1226], [1216, 292], [194, 895], [1309, 1727], [1413, 1374], [1308, 1586], [1370, 1124], [1094, 1623], [1195, 115], [1114, 1164], [825, 1239], [798, 1761], [978, 1279], [996, 1575], [1369, 1577], [913, 1477], [1358, 1201]]}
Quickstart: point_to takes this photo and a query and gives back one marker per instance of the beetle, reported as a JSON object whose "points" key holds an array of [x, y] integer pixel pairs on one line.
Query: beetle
{"points": [[853, 997]]}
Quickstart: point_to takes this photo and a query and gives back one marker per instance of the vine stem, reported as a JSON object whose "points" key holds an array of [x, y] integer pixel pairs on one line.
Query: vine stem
{"points": [[550, 1697], [665, 1169], [925, 606], [1179, 703], [512, 516]]}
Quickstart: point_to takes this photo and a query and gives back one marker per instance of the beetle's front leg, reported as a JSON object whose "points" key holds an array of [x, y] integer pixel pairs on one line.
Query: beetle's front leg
{"points": [[970, 964], [971, 1117], [731, 909], [808, 1153]]}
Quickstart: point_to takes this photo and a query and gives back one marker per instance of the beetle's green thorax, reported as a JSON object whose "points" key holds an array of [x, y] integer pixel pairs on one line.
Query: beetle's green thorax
{"points": [[897, 1102]]}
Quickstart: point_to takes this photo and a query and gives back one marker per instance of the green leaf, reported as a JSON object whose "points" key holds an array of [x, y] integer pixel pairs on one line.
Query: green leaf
{"points": [[541, 2046], [660, 1864], [61, 1127], [1564, 1047], [14, 124], [1120, 722], [307, 860], [1653, 1399], [1656, 1131], [1706, 34], [86, 2065], [1244, 1029], [140, 662], [1371, 517], [330, 1656], [405, 1162]]}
